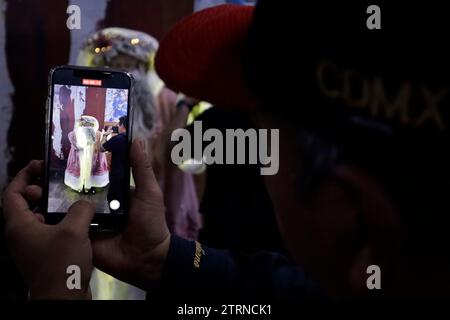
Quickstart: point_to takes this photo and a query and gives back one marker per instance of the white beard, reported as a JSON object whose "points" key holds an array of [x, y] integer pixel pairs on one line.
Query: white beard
{"points": [[144, 104], [85, 142]]}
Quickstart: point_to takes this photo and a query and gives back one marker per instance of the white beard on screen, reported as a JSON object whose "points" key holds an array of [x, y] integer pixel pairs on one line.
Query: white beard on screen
{"points": [[86, 143]]}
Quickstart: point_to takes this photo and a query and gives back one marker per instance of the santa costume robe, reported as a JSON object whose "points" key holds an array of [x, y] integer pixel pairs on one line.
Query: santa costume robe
{"points": [[87, 167]]}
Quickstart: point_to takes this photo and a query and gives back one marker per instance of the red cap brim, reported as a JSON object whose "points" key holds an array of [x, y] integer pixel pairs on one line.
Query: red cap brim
{"points": [[202, 56]]}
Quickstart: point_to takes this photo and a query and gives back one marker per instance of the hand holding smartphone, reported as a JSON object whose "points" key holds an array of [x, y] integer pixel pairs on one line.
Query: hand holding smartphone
{"points": [[145, 233]]}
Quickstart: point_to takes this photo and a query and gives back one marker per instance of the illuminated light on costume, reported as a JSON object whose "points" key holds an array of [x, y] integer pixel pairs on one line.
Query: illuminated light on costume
{"points": [[87, 167]]}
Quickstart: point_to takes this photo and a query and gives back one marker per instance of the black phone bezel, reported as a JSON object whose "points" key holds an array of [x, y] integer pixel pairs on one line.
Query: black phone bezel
{"points": [[73, 75]]}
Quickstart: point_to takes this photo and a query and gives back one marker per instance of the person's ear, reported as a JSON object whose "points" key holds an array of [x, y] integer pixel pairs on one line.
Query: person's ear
{"points": [[378, 234]]}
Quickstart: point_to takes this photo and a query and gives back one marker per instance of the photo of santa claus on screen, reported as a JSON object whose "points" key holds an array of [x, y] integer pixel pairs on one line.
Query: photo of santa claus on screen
{"points": [[87, 166]]}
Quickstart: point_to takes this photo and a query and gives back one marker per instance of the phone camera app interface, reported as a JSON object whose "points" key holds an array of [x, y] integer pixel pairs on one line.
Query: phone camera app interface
{"points": [[89, 148]]}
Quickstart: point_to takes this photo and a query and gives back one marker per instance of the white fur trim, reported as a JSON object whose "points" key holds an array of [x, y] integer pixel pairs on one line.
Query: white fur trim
{"points": [[72, 181], [100, 181]]}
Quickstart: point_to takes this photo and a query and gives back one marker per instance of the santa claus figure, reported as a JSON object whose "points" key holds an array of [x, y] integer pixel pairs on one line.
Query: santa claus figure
{"points": [[87, 167]]}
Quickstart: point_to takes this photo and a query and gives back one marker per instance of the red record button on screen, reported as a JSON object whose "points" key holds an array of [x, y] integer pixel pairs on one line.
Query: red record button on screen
{"points": [[92, 82]]}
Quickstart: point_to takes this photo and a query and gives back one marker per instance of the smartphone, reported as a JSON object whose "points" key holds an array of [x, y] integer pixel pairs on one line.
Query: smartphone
{"points": [[80, 163]]}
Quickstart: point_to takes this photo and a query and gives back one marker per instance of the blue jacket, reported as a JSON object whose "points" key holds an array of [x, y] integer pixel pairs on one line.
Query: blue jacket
{"points": [[197, 273]]}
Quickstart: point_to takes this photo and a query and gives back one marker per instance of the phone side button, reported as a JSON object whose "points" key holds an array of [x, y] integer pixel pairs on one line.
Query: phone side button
{"points": [[47, 106]]}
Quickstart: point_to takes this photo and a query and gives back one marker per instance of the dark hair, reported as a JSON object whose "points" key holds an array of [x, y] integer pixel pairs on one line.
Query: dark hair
{"points": [[416, 187], [123, 120]]}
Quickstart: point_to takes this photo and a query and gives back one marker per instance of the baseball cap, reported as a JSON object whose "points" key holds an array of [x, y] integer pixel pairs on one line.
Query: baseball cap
{"points": [[320, 65]]}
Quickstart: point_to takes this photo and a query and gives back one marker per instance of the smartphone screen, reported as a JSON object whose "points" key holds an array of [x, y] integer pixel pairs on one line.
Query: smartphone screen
{"points": [[88, 138]]}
